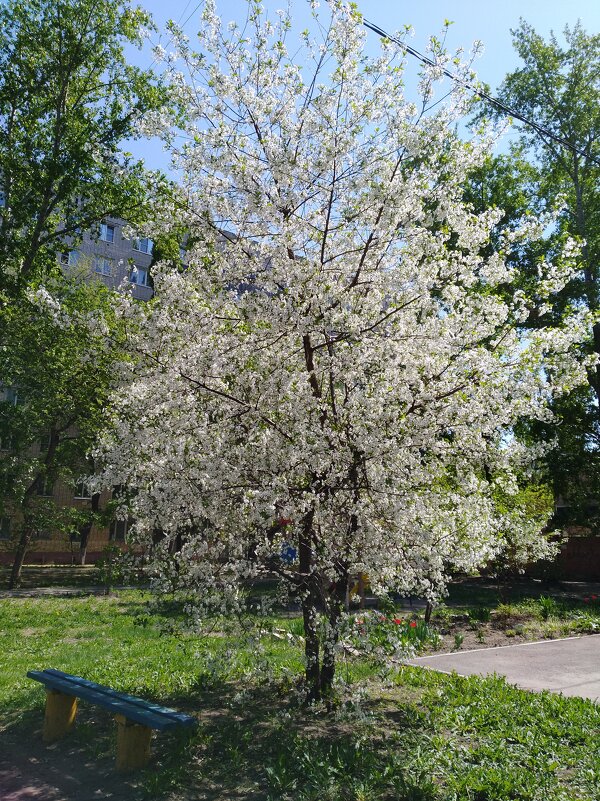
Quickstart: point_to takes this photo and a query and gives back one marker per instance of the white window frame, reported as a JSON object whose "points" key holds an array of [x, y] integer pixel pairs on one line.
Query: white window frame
{"points": [[80, 488], [104, 265], [148, 245], [10, 395], [67, 257], [47, 488], [105, 230], [118, 525], [137, 271]]}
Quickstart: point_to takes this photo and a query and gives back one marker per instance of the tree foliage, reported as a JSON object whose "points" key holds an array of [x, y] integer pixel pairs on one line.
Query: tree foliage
{"points": [[330, 387], [58, 360], [68, 101], [557, 86]]}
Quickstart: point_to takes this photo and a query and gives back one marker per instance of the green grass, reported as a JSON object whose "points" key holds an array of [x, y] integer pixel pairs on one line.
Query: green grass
{"points": [[407, 735], [500, 743], [541, 615], [116, 640]]}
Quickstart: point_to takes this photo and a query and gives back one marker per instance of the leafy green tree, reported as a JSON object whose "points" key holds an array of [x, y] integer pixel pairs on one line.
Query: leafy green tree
{"points": [[68, 100], [59, 357], [557, 86]]}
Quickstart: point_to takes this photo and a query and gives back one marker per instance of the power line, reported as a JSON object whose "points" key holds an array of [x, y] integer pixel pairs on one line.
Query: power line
{"points": [[187, 5], [179, 24], [498, 104]]}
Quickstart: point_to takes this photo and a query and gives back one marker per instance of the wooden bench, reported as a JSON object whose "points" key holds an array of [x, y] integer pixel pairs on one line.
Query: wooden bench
{"points": [[135, 717]]}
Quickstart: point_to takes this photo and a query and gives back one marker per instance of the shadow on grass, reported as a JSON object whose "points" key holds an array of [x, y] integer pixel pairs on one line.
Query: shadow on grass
{"points": [[262, 745], [258, 745], [77, 768]]}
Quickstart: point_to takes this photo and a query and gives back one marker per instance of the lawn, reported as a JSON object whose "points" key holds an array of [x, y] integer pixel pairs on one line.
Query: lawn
{"points": [[397, 734], [518, 619]]}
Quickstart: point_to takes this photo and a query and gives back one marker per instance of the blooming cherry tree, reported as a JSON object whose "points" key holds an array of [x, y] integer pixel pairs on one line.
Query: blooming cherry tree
{"points": [[329, 387]]}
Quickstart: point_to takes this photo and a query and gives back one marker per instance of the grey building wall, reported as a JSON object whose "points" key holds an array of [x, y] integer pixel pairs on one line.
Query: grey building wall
{"points": [[106, 255]]}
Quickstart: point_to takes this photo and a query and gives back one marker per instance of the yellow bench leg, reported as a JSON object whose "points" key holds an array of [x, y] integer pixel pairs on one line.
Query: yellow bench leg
{"points": [[133, 744], [60, 715]]}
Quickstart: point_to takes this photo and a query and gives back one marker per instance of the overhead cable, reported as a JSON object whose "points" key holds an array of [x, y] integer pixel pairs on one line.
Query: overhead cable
{"points": [[478, 92]]}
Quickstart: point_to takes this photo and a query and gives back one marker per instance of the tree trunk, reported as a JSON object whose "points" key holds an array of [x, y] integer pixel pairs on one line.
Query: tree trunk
{"points": [[310, 596], [338, 594], [20, 552], [590, 274], [86, 529], [311, 648], [328, 664], [28, 530]]}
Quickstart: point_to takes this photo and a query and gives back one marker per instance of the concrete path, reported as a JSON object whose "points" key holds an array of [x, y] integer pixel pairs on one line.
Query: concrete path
{"points": [[570, 666], [65, 592]]}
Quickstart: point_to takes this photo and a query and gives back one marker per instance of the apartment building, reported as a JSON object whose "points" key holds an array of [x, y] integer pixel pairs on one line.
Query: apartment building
{"points": [[107, 255], [113, 258]]}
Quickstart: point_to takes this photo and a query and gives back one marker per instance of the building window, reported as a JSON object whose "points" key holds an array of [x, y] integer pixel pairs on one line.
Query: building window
{"points": [[4, 528], [44, 442], [68, 258], [6, 442], [11, 396], [107, 233], [144, 245], [138, 276], [46, 487], [103, 265], [118, 530], [82, 491]]}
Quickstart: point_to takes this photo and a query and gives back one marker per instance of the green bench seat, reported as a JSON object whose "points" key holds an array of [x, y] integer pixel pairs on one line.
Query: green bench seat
{"points": [[136, 718]]}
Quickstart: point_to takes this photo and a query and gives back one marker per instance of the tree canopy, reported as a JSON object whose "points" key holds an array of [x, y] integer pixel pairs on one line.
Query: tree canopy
{"points": [[58, 366], [557, 86], [68, 102], [331, 386]]}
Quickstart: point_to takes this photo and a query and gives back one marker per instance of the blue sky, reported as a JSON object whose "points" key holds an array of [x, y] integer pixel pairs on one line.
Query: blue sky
{"points": [[489, 22]]}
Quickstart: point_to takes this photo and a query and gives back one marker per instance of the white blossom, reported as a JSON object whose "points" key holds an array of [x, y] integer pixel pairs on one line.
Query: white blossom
{"points": [[338, 354]]}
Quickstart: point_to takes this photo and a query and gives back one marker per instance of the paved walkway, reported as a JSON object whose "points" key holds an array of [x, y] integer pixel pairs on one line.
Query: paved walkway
{"points": [[570, 666], [65, 592]]}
